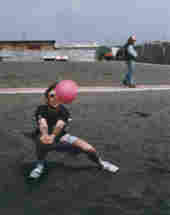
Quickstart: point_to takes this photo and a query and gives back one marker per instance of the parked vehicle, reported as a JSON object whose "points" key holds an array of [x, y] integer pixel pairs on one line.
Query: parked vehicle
{"points": [[104, 53], [55, 58]]}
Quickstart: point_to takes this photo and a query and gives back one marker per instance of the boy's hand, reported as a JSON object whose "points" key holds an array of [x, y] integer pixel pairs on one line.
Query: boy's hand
{"points": [[47, 139]]}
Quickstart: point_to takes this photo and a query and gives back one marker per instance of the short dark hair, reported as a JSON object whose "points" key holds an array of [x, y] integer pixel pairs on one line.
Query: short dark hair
{"points": [[51, 87]]}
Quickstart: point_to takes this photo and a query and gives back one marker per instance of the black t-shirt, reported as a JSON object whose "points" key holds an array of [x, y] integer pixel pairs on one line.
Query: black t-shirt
{"points": [[52, 115]]}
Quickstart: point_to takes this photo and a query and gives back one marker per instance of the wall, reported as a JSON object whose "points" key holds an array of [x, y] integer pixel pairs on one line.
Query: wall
{"points": [[157, 53]]}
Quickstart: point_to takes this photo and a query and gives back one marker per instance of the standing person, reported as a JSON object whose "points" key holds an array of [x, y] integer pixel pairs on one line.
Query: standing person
{"points": [[130, 58], [52, 119]]}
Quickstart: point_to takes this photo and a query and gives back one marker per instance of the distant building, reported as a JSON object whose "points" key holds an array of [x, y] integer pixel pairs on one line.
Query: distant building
{"points": [[18, 45], [77, 45]]}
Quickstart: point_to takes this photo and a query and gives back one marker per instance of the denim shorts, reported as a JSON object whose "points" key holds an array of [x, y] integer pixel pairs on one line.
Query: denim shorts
{"points": [[68, 138]]}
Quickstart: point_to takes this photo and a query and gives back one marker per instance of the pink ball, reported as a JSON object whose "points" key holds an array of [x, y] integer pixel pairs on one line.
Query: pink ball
{"points": [[66, 91]]}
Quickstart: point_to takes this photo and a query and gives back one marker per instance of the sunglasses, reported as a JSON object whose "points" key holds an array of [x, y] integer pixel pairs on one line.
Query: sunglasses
{"points": [[52, 95]]}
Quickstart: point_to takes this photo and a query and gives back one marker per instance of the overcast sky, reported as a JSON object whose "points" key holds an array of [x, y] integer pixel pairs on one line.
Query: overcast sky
{"points": [[84, 20]]}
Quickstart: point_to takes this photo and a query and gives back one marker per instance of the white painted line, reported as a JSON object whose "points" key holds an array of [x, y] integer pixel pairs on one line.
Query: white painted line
{"points": [[88, 89], [123, 89]]}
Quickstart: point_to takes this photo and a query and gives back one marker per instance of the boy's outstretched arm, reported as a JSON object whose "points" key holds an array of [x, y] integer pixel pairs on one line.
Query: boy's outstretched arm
{"points": [[58, 128], [43, 126], [44, 136]]}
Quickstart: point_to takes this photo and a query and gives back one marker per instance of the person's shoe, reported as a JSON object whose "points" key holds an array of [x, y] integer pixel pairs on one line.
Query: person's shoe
{"points": [[37, 172], [125, 83], [132, 85], [109, 166]]}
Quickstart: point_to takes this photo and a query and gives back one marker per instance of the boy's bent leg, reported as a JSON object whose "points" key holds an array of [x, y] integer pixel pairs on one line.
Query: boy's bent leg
{"points": [[37, 171], [41, 150], [41, 153]]}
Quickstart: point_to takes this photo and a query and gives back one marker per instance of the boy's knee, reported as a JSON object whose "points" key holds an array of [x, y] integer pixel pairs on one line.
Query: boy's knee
{"points": [[92, 149], [89, 148]]}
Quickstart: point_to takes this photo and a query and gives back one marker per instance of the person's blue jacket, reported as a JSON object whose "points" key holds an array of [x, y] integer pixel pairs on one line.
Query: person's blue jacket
{"points": [[131, 53]]}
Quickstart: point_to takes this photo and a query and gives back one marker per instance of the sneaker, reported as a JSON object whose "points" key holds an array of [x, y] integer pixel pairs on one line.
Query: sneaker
{"points": [[125, 83], [37, 172], [109, 166], [132, 85]]}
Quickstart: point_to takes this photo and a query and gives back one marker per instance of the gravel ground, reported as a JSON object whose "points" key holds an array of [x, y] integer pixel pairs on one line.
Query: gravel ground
{"points": [[131, 129], [40, 74]]}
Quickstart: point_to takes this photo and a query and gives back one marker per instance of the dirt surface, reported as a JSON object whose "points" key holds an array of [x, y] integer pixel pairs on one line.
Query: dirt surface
{"points": [[131, 129], [40, 74]]}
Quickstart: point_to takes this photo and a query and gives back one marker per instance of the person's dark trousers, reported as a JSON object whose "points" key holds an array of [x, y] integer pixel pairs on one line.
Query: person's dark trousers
{"points": [[43, 149]]}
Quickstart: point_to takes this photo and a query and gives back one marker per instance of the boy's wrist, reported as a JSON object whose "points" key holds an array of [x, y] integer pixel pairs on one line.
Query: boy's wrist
{"points": [[53, 135]]}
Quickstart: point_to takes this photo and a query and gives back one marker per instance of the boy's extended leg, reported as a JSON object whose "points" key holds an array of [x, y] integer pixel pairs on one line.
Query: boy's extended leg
{"points": [[93, 155], [105, 165]]}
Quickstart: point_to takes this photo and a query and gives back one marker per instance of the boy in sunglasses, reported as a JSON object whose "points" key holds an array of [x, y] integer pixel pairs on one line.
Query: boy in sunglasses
{"points": [[52, 119]]}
